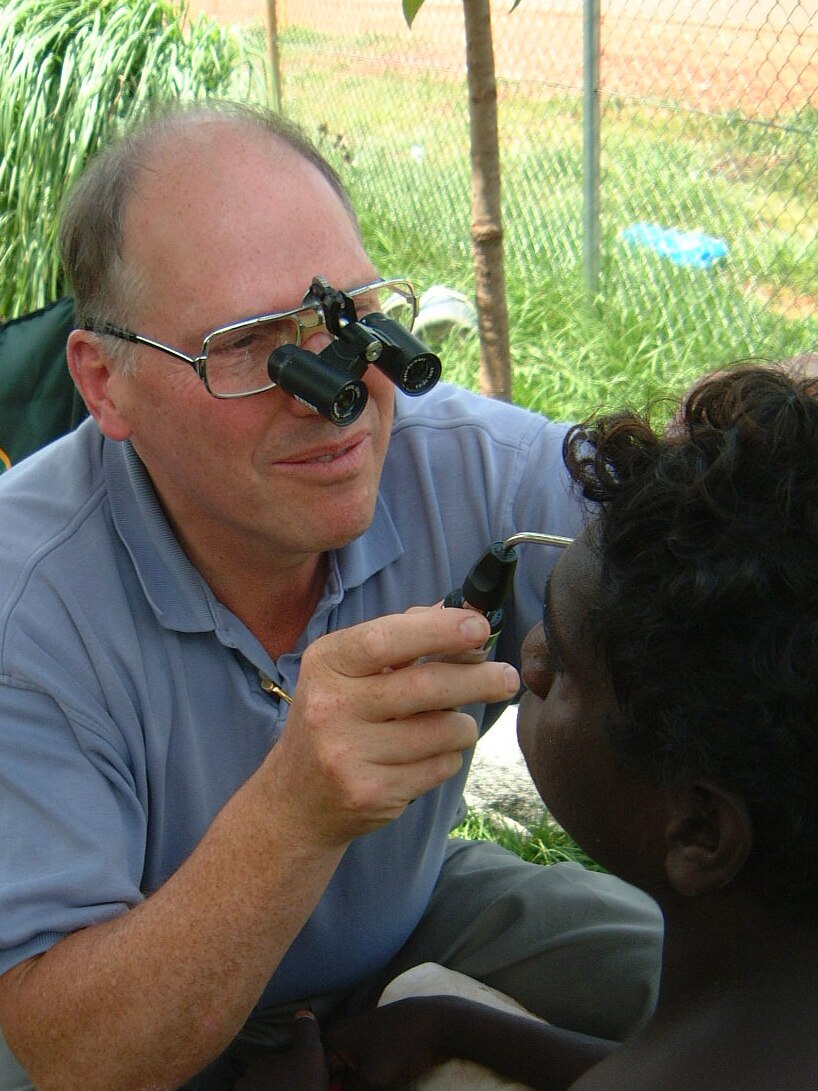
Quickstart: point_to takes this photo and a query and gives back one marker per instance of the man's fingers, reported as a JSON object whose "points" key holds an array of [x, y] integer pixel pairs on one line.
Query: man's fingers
{"points": [[430, 733], [371, 728], [399, 695], [431, 686], [404, 742], [385, 642]]}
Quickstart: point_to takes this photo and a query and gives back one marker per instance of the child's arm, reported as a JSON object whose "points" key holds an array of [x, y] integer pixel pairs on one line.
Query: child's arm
{"points": [[302, 1067], [396, 1043]]}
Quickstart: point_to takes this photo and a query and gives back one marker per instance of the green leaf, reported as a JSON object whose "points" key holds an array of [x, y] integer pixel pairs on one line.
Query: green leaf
{"points": [[411, 8]]}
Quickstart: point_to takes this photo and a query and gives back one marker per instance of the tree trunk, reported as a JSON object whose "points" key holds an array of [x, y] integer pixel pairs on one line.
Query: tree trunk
{"points": [[487, 226]]}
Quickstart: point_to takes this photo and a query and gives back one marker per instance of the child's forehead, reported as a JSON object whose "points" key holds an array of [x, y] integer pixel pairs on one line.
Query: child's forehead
{"points": [[569, 594], [575, 576]]}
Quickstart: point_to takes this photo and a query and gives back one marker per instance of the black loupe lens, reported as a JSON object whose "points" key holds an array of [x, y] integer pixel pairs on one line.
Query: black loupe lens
{"points": [[349, 403], [404, 359], [420, 374], [318, 383]]}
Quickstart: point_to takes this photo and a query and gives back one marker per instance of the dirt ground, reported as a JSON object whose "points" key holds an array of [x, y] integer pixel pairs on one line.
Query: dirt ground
{"points": [[758, 56]]}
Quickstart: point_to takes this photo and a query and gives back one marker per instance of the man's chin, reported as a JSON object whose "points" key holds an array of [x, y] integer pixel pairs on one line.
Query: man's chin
{"points": [[335, 533]]}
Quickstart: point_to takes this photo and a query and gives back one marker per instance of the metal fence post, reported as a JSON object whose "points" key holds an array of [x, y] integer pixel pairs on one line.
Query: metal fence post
{"points": [[591, 240]]}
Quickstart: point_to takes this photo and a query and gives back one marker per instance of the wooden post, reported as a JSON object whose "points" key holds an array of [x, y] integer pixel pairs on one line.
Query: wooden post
{"points": [[272, 49]]}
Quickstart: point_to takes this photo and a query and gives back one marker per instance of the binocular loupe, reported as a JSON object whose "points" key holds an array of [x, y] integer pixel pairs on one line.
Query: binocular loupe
{"points": [[331, 381]]}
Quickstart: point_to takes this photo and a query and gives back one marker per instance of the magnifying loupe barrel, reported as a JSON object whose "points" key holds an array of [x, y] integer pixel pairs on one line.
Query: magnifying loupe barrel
{"points": [[405, 360], [318, 383]]}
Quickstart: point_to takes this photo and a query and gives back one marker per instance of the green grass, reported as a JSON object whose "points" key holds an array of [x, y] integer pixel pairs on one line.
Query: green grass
{"points": [[544, 843], [654, 326]]}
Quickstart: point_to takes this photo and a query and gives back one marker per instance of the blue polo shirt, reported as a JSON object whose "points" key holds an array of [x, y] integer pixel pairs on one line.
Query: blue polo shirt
{"points": [[130, 700]]}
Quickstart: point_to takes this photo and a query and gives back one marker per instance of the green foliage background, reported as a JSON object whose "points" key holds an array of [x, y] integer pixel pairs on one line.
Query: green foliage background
{"points": [[72, 72]]}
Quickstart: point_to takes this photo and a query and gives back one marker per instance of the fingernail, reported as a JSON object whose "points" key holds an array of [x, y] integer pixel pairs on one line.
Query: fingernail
{"points": [[512, 678], [473, 628], [304, 1013]]}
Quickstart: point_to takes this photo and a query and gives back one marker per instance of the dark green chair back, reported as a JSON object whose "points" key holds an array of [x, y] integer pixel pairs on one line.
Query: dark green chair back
{"points": [[38, 400]]}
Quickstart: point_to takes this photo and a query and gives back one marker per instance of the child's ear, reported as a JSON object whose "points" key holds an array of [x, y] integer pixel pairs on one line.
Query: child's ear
{"points": [[96, 378], [709, 837]]}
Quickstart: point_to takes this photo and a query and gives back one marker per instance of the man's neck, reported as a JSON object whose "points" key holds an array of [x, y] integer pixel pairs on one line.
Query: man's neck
{"points": [[275, 601], [278, 618]]}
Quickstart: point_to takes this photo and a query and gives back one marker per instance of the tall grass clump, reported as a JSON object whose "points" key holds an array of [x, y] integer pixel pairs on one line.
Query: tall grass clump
{"points": [[71, 73]]}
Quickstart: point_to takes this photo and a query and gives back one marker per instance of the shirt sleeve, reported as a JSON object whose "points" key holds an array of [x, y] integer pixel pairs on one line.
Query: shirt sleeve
{"points": [[73, 830]]}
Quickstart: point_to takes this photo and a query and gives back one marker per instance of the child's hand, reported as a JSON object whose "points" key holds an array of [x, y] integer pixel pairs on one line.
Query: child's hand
{"points": [[301, 1068], [389, 1046]]}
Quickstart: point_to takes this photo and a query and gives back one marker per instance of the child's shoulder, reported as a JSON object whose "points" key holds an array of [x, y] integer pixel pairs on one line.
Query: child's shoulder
{"points": [[713, 1068], [742, 1041]]}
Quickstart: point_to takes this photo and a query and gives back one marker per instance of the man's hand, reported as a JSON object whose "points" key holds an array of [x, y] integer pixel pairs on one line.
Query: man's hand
{"points": [[371, 728]]}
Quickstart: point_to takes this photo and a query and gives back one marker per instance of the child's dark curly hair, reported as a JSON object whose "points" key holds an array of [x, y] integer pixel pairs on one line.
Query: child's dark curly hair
{"points": [[707, 614]]}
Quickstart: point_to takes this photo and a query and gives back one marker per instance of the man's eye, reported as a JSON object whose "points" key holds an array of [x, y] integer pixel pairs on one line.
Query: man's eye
{"points": [[366, 304], [240, 344], [229, 347], [251, 344]]}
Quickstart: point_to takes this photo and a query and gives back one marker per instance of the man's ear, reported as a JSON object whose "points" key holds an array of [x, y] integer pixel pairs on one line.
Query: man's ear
{"points": [[97, 379], [709, 836]]}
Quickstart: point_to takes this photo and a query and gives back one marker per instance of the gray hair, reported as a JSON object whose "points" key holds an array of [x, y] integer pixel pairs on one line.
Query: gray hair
{"points": [[91, 231]]}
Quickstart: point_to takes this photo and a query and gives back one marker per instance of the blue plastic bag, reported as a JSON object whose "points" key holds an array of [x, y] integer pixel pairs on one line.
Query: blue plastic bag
{"points": [[681, 247]]}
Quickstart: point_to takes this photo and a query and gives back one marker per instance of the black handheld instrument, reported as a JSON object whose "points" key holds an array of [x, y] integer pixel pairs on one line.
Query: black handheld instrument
{"points": [[490, 578]]}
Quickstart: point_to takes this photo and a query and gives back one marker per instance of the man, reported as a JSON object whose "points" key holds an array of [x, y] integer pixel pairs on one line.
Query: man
{"points": [[188, 860]]}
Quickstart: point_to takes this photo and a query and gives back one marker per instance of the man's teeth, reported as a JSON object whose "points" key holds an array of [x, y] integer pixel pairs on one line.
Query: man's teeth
{"points": [[328, 457]]}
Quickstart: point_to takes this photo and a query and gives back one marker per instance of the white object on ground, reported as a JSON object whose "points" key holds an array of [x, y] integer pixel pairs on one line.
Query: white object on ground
{"points": [[429, 979], [442, 311]]}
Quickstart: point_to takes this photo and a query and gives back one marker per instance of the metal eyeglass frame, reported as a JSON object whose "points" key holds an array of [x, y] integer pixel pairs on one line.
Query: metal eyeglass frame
{"points": [[199, 363]]}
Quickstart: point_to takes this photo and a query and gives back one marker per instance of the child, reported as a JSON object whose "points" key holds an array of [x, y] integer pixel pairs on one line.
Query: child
{"points": [[671, 726]]}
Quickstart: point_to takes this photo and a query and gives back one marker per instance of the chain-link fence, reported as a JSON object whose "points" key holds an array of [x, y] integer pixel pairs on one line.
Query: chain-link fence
{"points": [[708, 150]]}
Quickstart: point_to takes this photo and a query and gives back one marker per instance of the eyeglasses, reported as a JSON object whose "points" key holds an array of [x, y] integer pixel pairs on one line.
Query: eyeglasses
{"points": [[233, 361]]}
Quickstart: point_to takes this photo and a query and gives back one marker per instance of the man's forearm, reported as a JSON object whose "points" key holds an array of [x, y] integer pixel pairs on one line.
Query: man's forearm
{"points": [[147, 1000]]}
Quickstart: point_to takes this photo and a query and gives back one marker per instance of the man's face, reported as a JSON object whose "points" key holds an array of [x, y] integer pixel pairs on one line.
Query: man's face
{"points": [[226, 227], [609, 809]]}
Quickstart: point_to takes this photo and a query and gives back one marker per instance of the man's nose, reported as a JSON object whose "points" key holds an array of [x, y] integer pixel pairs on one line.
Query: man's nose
{"points": [[315, 340]]}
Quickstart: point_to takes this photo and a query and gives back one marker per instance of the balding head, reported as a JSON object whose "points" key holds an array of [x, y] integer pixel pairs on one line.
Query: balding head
{"points": [[106, 286]]}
